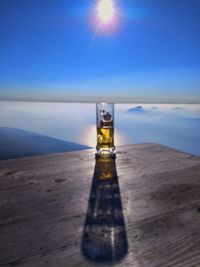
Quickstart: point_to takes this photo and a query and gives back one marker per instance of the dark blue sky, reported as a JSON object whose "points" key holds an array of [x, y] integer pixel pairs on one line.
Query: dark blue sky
{"points": [[54, 50]]}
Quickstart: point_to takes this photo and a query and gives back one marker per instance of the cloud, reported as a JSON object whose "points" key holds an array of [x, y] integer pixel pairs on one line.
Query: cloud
{"points": [[173, 125]]}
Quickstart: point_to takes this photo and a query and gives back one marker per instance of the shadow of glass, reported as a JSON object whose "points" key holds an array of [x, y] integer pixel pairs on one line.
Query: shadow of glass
{"points": [[104, 236]]}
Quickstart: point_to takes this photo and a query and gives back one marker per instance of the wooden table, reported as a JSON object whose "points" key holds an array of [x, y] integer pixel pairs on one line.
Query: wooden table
{"points": [[142, 209]]}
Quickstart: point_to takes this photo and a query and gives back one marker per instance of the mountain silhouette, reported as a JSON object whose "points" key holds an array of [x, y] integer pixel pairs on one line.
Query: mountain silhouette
{"points": [[15, 143], [136, 110]]}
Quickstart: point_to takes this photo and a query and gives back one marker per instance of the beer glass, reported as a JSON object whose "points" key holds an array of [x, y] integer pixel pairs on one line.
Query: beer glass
{"points": [[105, 130]]}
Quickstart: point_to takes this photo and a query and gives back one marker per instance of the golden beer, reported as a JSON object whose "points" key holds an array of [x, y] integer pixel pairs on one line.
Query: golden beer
{"points": [[105, 130], [105, 137]]}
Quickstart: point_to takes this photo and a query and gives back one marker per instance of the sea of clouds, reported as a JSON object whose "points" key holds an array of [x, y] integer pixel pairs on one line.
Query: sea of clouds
{"points": [[173, 125]]}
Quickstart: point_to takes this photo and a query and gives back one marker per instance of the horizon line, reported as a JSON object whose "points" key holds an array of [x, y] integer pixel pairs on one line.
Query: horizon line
{"points": [[100, 101]]}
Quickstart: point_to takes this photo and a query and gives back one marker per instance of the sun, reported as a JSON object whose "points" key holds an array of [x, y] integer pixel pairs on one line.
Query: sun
{"points": [[105, 10]]}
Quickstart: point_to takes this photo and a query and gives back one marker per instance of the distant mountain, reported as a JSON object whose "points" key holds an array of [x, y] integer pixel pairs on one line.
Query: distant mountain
{"points": [[136, 110], [179, 109], [15, 143]]}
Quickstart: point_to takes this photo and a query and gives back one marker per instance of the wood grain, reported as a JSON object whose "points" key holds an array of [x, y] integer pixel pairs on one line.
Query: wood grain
{"points": [[48, 203]]}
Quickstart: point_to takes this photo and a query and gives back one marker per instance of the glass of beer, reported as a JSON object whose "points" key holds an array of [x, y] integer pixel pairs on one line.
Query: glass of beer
{"points": [[105, 130]]}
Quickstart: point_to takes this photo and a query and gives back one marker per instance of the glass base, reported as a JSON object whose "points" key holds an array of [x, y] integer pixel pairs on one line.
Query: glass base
{"points": [[105, 153]]}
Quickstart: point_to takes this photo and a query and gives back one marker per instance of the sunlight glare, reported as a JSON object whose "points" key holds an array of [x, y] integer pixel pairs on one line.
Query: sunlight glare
{"points": [[105, 10]]}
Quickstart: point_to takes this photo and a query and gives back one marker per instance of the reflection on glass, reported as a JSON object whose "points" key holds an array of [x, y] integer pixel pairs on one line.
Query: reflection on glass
{"points": [[104, 236], [105, 130]]}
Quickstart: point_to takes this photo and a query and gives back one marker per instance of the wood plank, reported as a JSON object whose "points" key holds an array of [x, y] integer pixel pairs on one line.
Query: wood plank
{"points": [[52, 209]]}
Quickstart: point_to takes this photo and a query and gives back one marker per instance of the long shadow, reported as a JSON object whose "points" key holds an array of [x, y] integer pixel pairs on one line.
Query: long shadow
{"points": [[104, 236]]}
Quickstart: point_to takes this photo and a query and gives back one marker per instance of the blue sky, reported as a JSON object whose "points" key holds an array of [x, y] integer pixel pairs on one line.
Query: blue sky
{"points": [[55, 50]]}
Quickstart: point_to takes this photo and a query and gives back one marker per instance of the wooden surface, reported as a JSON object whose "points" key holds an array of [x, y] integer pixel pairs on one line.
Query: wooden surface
{"points": [[57, 210]]}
